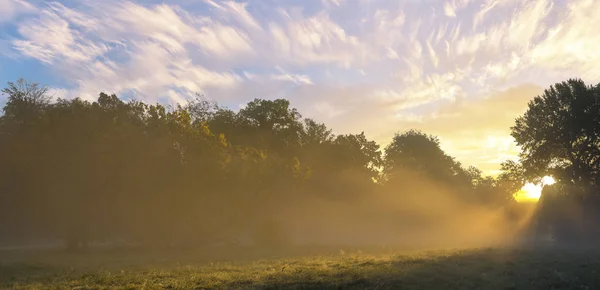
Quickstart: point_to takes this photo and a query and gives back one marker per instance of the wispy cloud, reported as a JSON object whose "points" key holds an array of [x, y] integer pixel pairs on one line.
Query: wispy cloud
{"points": [[12, 8], [452, 6], [377, 66]]}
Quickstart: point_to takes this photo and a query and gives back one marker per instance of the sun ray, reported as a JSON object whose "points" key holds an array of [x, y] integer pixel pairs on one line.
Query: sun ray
{"points": [[532, 192]]}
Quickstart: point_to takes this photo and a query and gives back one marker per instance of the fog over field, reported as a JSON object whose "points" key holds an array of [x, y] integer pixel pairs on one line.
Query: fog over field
{"points": [[330, 144]]}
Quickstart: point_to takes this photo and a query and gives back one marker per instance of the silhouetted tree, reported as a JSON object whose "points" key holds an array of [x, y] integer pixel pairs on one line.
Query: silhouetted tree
{"points": [[560, 134], [415, 151], [511, 178]]}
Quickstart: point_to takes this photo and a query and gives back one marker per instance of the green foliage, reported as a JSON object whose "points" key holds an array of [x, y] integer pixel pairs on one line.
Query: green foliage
{"points": [[108, 169]]}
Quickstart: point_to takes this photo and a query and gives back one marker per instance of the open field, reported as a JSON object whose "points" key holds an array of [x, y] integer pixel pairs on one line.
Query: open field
{"points": [[485, 268]]}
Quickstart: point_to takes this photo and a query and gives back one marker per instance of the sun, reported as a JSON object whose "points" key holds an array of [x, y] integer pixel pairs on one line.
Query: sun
{"points": [[548, 180], [531, 191]]}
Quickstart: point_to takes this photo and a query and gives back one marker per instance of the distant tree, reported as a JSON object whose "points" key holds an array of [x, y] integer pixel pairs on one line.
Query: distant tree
{"points": [[496, 191], [315, 133], [511, 178], [25, 100], [559, 134], [202, 109], [342, 166], [275, 126], [356, 151], [418, 152]]}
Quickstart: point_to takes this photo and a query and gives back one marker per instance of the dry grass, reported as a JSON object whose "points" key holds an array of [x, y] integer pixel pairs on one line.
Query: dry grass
{"points": [[489, 268]]}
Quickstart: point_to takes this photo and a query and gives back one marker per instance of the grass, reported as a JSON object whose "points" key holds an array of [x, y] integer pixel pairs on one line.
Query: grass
{"points": [[486, 268]]}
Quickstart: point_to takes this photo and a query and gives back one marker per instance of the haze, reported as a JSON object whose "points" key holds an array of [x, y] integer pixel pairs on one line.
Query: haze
{"points": [[226, 128]]}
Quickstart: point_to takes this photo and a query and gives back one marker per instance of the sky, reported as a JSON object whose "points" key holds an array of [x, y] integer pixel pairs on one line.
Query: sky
{"points": [[459, 69]]}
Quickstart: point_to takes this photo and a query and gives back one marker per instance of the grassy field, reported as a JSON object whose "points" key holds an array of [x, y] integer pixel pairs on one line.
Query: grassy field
{"points": [[485, 268]]}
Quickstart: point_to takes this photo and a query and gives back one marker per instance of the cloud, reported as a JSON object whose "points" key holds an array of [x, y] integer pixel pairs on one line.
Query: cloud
{"points": [[370, 107], [392, 54], [150, 44], [330, 3], [377, 66], [431, 51], [50, 37], [384, 34], [281, 75], [450, 7], [237, 12], [486, 8], [572, 44], [12, 8], [477, 131], [434, 87], [298, 79], [318, 39], [527, 24], [58, 93], [474, 130]]}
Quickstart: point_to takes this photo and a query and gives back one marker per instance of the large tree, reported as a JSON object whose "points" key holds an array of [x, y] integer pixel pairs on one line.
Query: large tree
{"points": [[559, 134]]}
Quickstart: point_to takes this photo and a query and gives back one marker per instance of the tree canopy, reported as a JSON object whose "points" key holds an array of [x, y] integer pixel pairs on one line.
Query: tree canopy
{"points": [[108, 169], [560, 134], [417, 151]]}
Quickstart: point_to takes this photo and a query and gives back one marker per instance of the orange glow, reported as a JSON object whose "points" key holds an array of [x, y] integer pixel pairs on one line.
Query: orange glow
{"points": [[531, 192]]}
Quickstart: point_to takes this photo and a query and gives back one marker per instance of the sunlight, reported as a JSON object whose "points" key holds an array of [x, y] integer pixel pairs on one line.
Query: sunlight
{"points": [[548, 180], [532, 192]]}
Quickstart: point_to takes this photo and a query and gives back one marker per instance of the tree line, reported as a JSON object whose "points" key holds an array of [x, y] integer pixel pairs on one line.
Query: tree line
{"points": [[88, 171]]}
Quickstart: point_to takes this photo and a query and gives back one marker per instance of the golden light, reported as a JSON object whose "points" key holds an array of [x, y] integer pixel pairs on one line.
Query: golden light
{"points": [[548, 180], [532, 192]]}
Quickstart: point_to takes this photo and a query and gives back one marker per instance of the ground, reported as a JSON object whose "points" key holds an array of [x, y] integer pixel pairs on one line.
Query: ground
{"points": [[483, 268]]}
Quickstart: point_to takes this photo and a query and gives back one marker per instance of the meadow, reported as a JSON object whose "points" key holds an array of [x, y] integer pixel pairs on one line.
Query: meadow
{"points": [[475, 268]]}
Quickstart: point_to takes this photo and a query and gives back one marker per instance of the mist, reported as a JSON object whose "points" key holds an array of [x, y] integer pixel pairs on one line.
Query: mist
{"points": [[428, 217], [114, 172]]}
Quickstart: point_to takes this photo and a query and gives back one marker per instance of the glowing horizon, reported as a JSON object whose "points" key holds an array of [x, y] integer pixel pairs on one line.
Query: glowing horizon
{"points": [[532, 192]]}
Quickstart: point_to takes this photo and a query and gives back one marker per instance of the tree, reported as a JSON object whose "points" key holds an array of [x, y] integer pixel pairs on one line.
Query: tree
{"points": [[275, 126], [414, 151], [496, 191], [358, 152], [559, 134], [22, 159], [512, 177], [107, 169], [25, 100], [315, 133], [202, 109]]}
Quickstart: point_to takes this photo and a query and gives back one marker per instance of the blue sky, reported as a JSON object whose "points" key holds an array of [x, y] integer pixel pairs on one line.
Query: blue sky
{"points": [[459, 69]]}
